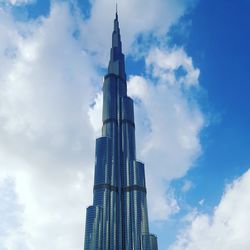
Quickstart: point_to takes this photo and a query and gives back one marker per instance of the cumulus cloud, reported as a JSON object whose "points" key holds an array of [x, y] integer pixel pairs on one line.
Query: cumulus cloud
{"points": [[187, 186], [95, 114], [11, 217], [47, 142], [227, 228], [49, 116], [173, 66], [18, 2], [169, 123]]}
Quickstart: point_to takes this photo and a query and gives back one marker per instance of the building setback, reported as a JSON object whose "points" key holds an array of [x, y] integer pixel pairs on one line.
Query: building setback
{"points": [[118, 219]]}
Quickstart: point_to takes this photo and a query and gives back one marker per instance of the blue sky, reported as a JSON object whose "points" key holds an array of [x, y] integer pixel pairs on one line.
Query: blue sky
{"points": [[220, 46], [189, 59]]}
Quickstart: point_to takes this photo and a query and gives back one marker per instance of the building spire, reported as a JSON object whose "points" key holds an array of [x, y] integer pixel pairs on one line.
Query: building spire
{"points": [[116, 22], [116, 63]]}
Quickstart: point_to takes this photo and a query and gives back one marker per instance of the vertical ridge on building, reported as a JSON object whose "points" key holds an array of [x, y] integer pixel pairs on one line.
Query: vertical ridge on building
{"points": [[118, 219]]}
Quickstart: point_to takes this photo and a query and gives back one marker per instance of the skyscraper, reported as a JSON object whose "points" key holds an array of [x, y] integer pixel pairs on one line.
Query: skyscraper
{"points": [[118, 219]]}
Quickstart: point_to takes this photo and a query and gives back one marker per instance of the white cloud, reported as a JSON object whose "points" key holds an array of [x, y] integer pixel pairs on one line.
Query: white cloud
{"points": [[47, 142], [10, 215], [48, 79], [19, 2], [187, 186], [165, 64], [95, 114], [201, 202], [169, 124], [227, 228]]}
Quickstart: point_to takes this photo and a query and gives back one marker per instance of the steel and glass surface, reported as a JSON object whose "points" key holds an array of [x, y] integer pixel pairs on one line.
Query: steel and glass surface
{"points": [[118, 219]]}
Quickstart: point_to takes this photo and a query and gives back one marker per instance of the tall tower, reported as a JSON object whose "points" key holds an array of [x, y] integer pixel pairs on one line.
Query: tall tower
{"points": [[118, 219]]}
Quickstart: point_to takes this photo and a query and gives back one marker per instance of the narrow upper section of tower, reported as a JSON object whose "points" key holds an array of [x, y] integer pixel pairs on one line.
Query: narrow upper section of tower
{"points": [[116, 63], [116, 37]]}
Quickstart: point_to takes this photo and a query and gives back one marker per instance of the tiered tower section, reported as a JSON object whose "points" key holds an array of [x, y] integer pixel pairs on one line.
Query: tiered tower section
{"points": [[118, 219]]}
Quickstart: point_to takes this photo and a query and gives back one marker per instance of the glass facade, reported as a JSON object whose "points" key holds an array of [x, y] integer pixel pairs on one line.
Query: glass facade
{"points": [[118, 219]]}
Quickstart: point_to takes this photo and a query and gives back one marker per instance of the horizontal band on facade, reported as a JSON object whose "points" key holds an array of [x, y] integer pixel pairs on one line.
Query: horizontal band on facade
{"points": [[116, 121], [106, 186], [114, 75], [129, 122], [134, 188], [110, 120], [123, 189]]}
